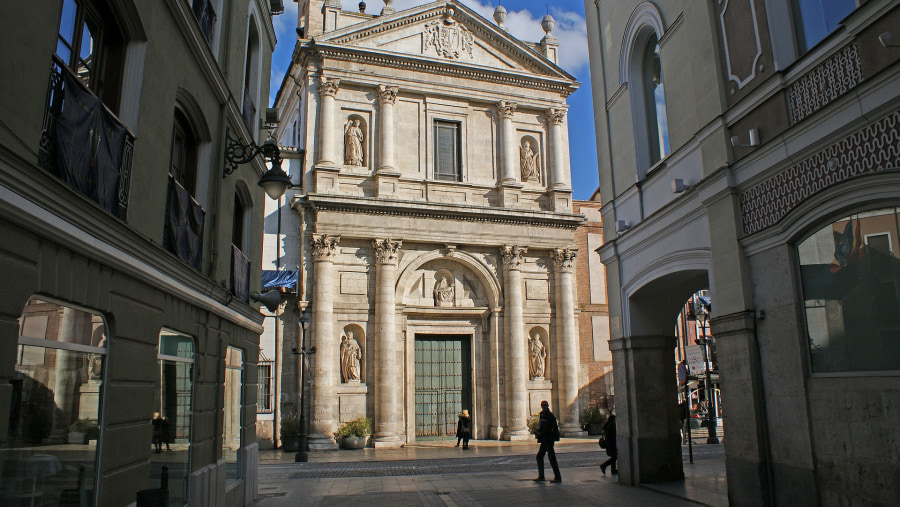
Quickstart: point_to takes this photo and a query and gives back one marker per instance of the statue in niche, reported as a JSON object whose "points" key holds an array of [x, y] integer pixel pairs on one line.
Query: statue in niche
{"points": [[538, 355], [528, 159], [443, 292], [350, 357], [353, 143]]}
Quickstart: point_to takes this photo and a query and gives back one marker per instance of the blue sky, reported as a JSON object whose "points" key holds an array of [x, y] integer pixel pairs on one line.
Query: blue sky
{"points": [[524, 22]]}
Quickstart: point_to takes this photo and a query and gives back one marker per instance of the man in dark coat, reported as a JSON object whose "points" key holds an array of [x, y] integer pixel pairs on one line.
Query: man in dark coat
{"points": [[547, 434], [464, 429], [609, 435]]}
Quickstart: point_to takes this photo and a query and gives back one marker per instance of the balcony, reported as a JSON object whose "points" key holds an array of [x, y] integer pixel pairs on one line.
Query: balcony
{"points": [[240, 274], [84, 144]]}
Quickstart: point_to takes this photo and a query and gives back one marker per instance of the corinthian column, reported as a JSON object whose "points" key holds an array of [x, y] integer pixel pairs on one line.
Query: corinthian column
{"points": [[328, 88], [506, 110], [387, 96], [325, 360], [556, 117], [568, 362], [388, 366], [516, 354]]}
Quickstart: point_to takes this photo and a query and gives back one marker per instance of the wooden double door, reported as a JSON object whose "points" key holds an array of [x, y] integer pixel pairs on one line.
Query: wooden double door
{"points": [[443, 382]]}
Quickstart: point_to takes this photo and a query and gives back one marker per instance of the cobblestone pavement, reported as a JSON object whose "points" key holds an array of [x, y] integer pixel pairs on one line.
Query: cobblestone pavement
{"points": [[491, 474]]}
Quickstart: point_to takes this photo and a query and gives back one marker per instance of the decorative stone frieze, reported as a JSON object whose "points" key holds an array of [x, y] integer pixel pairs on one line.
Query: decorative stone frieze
{"points": [[868, 150], [324, 247], [823, 84], [449, 38]]}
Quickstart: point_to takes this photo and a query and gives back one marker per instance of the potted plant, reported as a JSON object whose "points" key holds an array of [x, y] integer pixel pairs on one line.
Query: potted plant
{"points": [[290, 432], [592, 419], [83, 430], [353, 434]]}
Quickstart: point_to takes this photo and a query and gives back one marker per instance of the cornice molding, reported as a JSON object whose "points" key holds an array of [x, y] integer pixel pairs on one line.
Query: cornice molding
{"points": [[417, 209]]}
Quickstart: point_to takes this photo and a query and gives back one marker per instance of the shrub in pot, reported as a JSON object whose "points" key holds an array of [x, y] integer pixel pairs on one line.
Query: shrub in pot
{"points": [[83, 430], [353, 434], [592, 419]]}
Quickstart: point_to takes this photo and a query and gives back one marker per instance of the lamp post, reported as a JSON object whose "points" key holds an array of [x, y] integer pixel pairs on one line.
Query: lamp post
{"points": [[703, 317], [302, 455]]}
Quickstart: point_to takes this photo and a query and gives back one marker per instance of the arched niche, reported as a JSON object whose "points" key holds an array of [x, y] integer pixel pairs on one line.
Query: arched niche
{"points": [[530, 148], [474, 285], [358, 333], [356, 129], [538, 348]]}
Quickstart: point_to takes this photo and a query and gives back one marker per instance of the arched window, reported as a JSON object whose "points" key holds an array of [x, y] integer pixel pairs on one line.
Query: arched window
{"points": [[654, 102], [183, 229], [183, 155], [640, 69], [850, 273], [251, 76], [91, 45], [240, 243]]}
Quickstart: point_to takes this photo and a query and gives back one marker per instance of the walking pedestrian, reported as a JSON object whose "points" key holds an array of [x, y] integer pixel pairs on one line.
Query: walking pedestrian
{"points": [[157, 423], [547, 435], [464, 429], [609, 436]]}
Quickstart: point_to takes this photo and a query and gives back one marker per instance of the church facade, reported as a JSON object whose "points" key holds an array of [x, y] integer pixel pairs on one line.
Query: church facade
{"points": [[436, 231]]}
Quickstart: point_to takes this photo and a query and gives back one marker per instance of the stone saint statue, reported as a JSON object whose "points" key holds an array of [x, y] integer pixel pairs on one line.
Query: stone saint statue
{"points": [[353, 143], [443, 292], [529, 161], [350, 357], [538, 355]]}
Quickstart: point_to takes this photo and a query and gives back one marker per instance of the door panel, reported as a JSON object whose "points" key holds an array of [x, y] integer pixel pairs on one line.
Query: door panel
{"points": [[443, 383]]}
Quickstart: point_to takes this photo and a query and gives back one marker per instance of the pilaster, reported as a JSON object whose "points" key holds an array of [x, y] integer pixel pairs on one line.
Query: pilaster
{"points": [[389, 387], [327, 89], [566, 344], [325, 372], [516, 427]]}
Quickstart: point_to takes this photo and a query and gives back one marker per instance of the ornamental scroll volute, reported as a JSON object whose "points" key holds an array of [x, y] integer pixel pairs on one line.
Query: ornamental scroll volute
{"points": [[449, 38]]}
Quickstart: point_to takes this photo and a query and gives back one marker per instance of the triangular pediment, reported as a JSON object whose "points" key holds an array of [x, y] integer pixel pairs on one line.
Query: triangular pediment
{"points": [[446, 32]]}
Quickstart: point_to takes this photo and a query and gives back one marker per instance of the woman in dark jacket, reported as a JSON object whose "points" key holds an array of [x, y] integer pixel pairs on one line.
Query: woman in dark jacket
{"points": [[464, 429], [609, 436]]}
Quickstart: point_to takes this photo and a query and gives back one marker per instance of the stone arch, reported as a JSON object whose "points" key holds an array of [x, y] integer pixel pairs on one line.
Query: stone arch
{"points": [[482, 273], [359, 334]]}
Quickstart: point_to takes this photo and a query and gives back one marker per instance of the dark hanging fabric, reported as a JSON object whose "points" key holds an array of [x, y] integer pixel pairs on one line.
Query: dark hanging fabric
{"points": [[240, 274], [89, 145], [273, 279], [183, 234]]}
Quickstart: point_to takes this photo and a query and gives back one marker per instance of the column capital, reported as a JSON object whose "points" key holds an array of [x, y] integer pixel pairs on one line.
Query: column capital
{"points": [[556, 115], [388, 94], [328, 86], [506, 109], [324, 247], [386, 250], [563, 259], [512, 256]]}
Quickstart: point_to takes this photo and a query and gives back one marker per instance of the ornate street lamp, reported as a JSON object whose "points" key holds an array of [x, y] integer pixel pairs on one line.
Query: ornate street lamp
{"points": [[703, 318], [275, 181]]}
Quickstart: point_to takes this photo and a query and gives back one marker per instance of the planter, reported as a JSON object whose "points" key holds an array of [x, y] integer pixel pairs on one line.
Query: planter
{"points": [[353, 442], [290, 444], [77, 437]]}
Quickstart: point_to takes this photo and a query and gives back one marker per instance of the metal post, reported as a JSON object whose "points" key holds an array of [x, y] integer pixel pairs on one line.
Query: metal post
{"points": [[710, 402], [302, 455]]}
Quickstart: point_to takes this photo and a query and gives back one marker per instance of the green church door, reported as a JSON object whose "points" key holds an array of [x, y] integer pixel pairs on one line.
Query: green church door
{"points": [[443, 383]]}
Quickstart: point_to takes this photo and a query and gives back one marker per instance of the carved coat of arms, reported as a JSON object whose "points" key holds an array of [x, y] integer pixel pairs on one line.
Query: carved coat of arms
{"points": [[448, 37]]}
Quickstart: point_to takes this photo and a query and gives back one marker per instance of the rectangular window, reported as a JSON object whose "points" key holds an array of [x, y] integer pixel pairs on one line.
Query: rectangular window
{"points": [[50, 454], [264, 401], [231, 439], [446, 151], [815, 19]]}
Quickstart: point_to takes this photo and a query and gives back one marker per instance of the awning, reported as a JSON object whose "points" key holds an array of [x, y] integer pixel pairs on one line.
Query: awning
{"points": [[272, 279]]}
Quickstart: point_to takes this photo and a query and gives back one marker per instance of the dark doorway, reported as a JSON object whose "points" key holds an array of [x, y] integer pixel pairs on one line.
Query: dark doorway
{"points": [[443, 383]]}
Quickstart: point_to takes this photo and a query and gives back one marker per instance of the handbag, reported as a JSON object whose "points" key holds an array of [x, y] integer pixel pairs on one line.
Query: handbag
{"points": [[602, 442]]}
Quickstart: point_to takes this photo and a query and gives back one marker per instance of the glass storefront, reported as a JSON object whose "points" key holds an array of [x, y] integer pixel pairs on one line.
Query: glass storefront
{"points": [[231, 440], [850, 273], [172, 414], [50, 456]]}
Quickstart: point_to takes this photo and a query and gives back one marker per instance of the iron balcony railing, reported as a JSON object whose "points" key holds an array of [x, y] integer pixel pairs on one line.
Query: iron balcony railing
{"points": [[84, 144]]}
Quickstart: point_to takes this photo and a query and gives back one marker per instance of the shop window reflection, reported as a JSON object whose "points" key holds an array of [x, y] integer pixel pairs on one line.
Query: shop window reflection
{"points": [[50, 456], [173, 414]]}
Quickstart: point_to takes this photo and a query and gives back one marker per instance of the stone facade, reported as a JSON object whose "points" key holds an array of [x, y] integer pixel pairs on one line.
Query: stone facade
{"points": [[77, 243], [774, 131], [472, 245]]}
